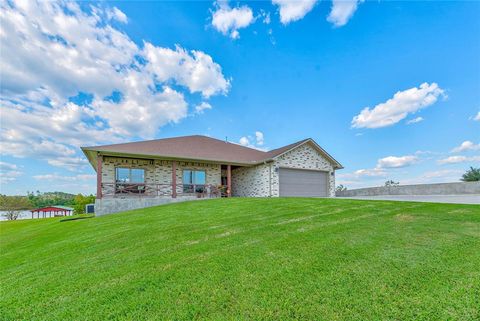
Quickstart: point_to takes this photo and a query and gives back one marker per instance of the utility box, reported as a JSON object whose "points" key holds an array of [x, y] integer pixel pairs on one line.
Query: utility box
{"points": [[90, 208]]}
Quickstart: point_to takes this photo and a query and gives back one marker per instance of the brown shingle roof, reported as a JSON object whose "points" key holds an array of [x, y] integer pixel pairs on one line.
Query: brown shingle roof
{"points": [[193, 148]]}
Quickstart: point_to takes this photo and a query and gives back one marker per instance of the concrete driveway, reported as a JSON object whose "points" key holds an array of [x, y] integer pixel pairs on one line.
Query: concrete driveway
{"points": [[454, 199]]}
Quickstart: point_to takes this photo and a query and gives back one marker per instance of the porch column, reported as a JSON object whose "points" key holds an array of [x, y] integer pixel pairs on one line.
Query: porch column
{"points": [[99, 176], [174, 179], [229, 180]]}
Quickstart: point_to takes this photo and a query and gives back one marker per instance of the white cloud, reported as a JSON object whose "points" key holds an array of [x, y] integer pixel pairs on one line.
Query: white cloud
{"points": [[8, 172], [228, 20], [244, 141], [71, 163], [442, 173], [396, 162], [200, 108], [477, 117], [265, 16], [259, 138], [429, 177], [195, 70], [143, 113], [117, 14], [382, 167], [466, 146], [342, 11], [372, 172], [361, 177], [256, 141], [414, 120], [399, 107], [70, 78], [293, 10], [458, 159], [58, 177], [439, 176]]}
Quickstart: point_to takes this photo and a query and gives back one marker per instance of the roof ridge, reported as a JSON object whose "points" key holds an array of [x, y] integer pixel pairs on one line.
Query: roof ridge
{"points": [[292, 144], [172, 138]]}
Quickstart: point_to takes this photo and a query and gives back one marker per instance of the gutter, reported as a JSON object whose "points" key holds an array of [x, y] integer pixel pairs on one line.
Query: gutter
{"points": [[89, 152]]}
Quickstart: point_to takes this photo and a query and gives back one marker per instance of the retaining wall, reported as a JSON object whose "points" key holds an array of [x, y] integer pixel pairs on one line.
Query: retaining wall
{"points": [[461, 188], [113, 205]]}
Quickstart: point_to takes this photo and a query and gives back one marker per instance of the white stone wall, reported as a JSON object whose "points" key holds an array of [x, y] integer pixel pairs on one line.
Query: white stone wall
{"points": [[251, 181], [263, 180], [158, 172], [303, 157]]}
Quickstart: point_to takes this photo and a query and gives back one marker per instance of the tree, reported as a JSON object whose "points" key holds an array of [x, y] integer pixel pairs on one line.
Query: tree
{"points": [[50, 199], [391, 183], [13, 206], [340, 188], [79, 202], [471, 175]]}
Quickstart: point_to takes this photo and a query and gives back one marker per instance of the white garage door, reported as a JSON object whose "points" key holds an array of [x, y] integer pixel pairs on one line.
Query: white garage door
{"points": [[300, 182]]}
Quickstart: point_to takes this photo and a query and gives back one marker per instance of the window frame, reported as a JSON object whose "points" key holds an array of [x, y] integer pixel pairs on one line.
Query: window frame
{"points": [[193, 186], [117, 181]]}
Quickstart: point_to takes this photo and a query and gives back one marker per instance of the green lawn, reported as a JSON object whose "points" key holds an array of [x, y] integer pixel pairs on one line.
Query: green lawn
{"points": [[256, 259]]}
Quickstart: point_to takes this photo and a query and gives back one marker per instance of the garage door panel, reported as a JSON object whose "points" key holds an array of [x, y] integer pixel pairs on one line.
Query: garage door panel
{"points": [[300, 182]]}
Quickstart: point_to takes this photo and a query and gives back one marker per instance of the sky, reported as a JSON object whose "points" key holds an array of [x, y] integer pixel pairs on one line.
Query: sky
{"points": [[391, 89]]}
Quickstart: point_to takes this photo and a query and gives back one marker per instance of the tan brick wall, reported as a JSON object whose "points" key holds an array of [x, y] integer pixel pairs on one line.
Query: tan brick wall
{"points": [[212, 172], [158, 171]]}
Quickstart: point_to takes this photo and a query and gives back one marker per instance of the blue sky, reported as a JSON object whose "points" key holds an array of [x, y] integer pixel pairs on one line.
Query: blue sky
{"points": [[264, 74]]}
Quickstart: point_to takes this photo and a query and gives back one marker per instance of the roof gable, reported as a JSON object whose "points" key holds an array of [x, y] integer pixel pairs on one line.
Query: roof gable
{"points": [[282, 151]]}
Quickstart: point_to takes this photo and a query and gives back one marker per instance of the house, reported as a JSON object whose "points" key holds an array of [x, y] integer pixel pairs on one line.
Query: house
{"points": [[148, 173]]}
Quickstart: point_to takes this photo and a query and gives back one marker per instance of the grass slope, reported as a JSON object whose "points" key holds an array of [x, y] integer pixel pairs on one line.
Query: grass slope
{"points": [[257, 259]]}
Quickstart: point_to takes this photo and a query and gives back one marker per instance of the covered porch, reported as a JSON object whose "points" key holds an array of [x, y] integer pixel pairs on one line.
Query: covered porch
{"points": [[121, 177]]}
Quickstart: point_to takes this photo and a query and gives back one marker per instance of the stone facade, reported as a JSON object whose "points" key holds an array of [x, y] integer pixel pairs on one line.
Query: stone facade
{"points": [[252, 181], [263, 180], [158, 172], [212, 172]]}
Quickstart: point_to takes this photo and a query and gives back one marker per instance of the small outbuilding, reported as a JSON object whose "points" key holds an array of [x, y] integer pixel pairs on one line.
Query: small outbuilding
{"points": [[55, 210]]}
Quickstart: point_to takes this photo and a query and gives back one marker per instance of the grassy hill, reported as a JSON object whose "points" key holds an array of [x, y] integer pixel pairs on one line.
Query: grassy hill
{"points": [[257, 259]]}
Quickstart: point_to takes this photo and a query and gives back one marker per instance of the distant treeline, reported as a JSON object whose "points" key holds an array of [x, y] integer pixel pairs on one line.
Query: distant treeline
{"points": [[37, 199]]}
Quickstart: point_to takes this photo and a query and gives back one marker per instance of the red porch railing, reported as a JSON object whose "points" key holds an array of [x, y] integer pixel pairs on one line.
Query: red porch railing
{"points": [[153, 190]]}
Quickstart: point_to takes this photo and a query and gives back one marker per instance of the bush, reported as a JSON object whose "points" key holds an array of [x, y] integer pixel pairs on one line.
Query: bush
{"points": [[391, 183]]}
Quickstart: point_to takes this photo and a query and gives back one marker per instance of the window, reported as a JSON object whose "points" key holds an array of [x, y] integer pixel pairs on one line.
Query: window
{"points": [[130, 175], [193, 181]]}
